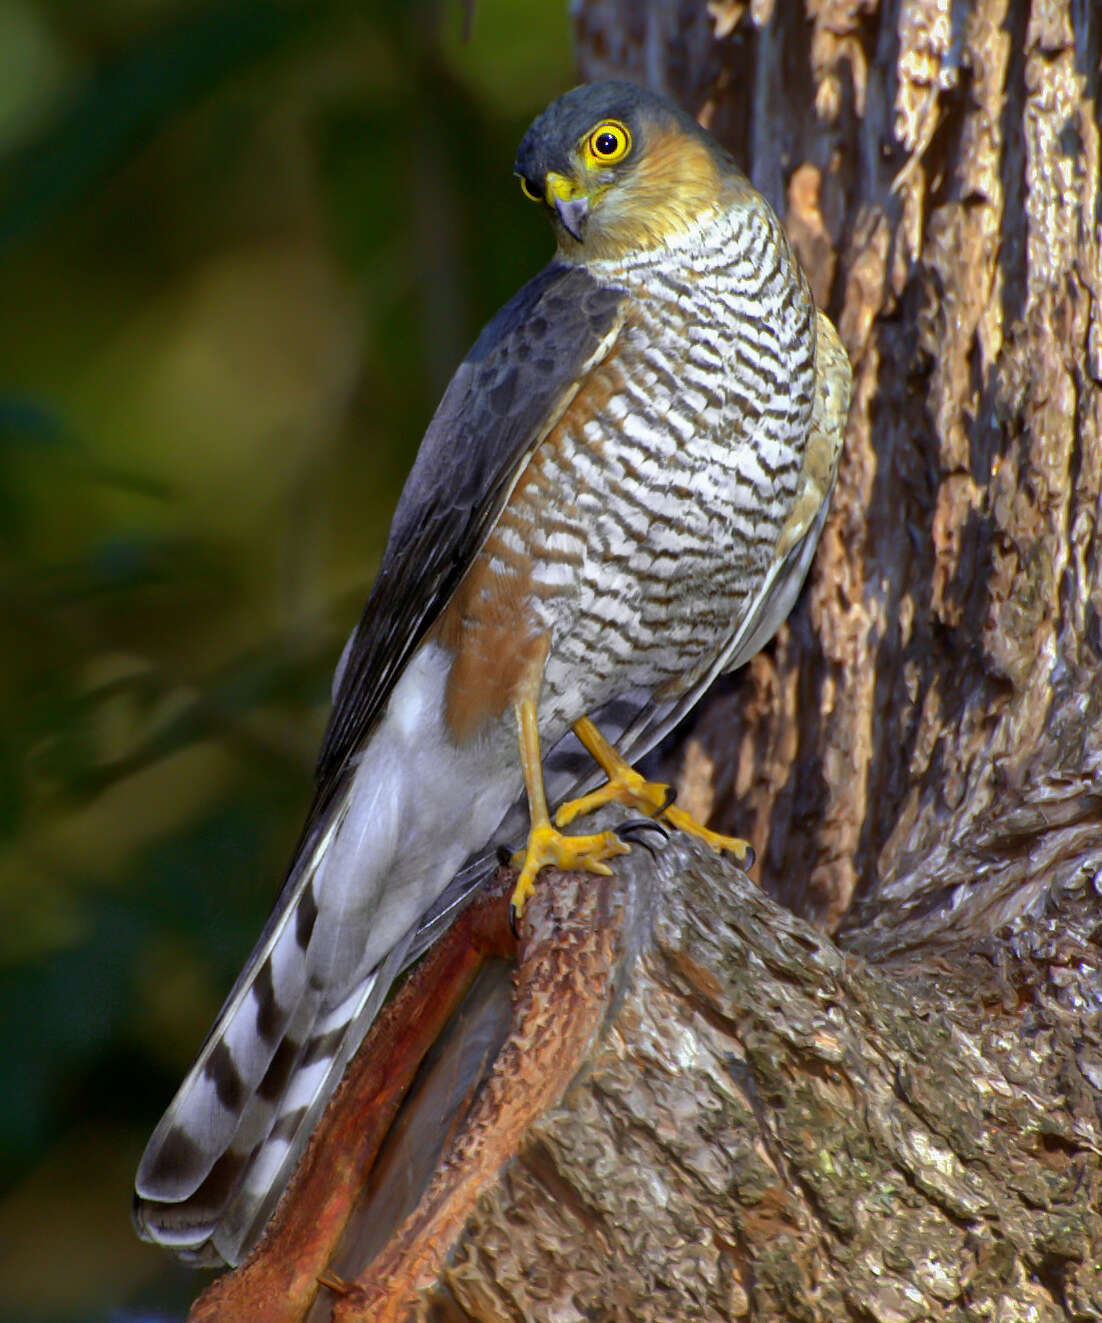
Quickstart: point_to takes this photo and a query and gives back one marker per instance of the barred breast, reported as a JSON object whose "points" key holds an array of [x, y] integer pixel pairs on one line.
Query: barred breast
{"points": [[652, 514], [645, 523]]}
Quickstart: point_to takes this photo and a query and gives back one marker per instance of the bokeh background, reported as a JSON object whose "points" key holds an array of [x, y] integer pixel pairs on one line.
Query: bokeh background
{"points": [[242, 247]]}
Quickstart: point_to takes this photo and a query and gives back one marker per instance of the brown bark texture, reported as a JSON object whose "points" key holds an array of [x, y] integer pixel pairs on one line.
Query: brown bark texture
{"points": [[868, 1084]]}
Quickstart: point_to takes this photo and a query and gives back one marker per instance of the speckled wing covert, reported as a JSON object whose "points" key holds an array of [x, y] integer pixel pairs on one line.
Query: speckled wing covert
{"points": [[225, 1148]]}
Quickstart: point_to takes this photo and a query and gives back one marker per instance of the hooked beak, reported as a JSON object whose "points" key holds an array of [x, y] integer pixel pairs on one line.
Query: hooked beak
{"points": [[572, 207], [572, 213]]}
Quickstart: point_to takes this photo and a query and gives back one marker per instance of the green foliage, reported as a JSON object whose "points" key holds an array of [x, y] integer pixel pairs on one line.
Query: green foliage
{"points": [[243, 245]]}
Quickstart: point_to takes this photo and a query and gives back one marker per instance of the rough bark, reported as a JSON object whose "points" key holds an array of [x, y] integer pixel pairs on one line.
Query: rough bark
{"points": [[702, 1105], [770, 1128]]}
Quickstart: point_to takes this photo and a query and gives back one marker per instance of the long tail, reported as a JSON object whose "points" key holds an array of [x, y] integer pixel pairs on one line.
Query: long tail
{"points": [[375, 857], [225, 1149]]}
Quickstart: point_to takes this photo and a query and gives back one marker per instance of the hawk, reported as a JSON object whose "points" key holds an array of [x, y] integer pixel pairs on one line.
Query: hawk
{"points": [[617, 500]]}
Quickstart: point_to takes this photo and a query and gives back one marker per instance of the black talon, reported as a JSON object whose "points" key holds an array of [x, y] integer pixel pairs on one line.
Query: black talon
{"points": [[671, 795], [513, 921], [635, 825], [635, 830], [504, 856]]}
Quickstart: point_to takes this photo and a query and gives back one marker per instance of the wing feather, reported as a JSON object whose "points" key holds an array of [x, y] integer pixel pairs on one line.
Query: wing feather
{"points": [[507, 394]]}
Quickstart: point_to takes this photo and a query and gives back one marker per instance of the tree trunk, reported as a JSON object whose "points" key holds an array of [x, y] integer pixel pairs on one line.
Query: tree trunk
{"points": [[698, 1105]]}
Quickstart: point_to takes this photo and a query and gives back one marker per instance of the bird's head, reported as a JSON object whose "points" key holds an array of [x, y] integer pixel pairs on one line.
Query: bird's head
{"points": [[620, 169]]}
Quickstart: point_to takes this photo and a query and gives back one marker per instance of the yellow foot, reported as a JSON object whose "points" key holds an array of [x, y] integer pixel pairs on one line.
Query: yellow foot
{"points": [[682, 821], [627, 786], [546, 846]]}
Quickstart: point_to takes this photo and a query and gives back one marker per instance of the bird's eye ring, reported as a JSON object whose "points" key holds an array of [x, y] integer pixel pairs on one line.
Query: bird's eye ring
{"points": [[609, 142], [529, 190]]}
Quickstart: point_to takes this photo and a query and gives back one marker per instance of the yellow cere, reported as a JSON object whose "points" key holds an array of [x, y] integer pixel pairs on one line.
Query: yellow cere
{"points": [[608, 143], [560, 188]]}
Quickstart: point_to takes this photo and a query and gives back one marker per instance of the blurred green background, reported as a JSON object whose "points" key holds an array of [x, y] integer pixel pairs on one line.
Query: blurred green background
{"points": [[242, 246]]}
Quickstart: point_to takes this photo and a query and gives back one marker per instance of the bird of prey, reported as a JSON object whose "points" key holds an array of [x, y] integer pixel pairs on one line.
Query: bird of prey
{"points": [[617, 500]]}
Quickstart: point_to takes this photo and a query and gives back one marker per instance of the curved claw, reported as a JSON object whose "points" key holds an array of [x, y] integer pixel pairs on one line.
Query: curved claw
{"points": [[636, 831]]}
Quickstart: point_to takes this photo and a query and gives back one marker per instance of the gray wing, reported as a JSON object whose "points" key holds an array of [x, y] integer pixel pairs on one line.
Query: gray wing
{"points": [[512, 387]]}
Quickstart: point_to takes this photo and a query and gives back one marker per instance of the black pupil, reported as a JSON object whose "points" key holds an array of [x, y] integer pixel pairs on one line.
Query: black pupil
{"points": [[606, 144]]}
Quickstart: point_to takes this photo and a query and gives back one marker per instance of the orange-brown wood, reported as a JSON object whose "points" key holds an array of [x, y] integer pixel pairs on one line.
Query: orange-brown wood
{"points": [[563, 988]]}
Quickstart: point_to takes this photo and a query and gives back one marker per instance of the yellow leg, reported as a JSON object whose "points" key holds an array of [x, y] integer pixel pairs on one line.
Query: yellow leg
{"points": [[546, 845], [626, 786]]}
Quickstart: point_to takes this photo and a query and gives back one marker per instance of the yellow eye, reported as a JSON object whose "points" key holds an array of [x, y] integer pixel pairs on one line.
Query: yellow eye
{"points": [[529, 192], [609, 142]]}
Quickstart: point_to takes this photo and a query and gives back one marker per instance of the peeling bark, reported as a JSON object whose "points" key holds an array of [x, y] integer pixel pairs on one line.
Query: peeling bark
{"points": [[703, 1106]]}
